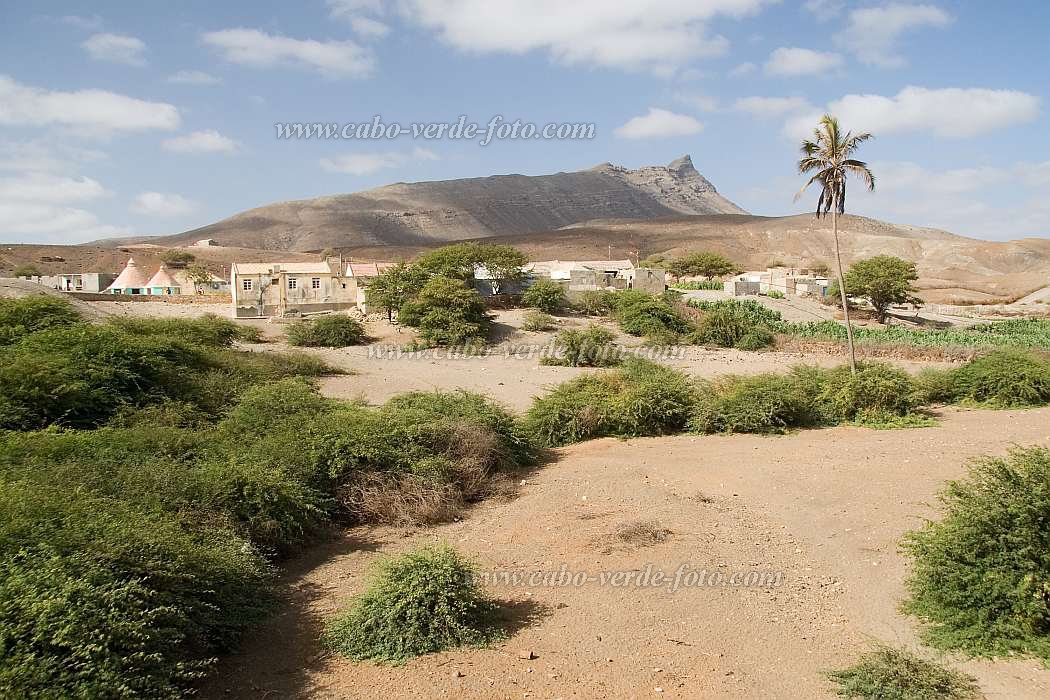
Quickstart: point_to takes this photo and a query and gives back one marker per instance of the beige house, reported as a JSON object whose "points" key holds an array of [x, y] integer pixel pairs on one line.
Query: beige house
{"points": [[262, 290], [789, 281]]}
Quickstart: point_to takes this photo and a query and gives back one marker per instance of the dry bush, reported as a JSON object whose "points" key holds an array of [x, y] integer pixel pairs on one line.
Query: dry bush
{"points": [[412, 500], [642, 533]]}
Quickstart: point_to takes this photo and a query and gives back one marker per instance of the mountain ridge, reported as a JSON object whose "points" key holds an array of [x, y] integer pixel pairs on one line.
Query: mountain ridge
{"points": [[450, 210]]}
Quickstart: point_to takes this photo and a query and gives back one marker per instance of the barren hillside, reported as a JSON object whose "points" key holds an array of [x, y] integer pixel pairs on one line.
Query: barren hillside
{"points": [[449, 210]]}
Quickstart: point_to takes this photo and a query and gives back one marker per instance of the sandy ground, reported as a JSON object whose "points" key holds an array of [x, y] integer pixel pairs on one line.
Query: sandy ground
{"points": [[825, 508]]}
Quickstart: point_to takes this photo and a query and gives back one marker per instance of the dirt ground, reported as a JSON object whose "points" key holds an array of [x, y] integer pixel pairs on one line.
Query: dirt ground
{"points": [[825, 508]]}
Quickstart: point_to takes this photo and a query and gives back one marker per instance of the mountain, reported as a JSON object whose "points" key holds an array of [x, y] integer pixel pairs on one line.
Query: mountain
{"points": [[423, 213]]}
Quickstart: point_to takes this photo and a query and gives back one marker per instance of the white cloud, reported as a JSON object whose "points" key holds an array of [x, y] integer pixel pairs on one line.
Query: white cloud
{"points": [[947, 113], [208, 141], [162, 204], [44, 156], [771, 106], [39, 204], [794, 61], [92, 23], [824, 10], [356, 12], [701, 103], [368, 163], [873, 32], [983, 201], [116, 48], [905, 176], [333, 59], [743, 69], [49, 188], [652, 35], [48, 223], [368, 27], [659, 123], [193, 77], [96, 110]]}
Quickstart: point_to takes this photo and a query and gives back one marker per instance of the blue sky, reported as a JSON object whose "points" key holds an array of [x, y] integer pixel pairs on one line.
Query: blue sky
{"points": [[128, 118]]}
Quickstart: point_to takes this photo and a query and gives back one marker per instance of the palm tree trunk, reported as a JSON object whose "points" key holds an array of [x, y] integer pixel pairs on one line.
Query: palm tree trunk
{"points": [[842, 292]]}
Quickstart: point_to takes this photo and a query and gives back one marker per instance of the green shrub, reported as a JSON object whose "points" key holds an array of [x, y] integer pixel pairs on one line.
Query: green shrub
{"points": [[447, 312], [1003, 378], [22, 316], [887, 673], [101, 599], [545, 295], [207, 331], [764, 403], [593, 347], [538, 321], [643, 314], [595, 302], [84, 374], [775, 294], [640, 398], [981, 575], [877, 391], [756, 339], [334, 331], [422, 602], [726, 323]]}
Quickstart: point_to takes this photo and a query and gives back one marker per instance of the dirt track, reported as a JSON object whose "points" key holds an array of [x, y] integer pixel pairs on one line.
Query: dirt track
{"points": [[825, 507]]}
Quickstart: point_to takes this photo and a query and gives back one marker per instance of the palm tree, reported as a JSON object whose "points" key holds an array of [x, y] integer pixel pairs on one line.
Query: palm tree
{"points": [[829, 155]]}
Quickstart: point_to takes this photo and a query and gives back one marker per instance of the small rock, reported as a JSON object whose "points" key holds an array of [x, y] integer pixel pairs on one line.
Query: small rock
{"points": [[458, 674], [528, 655]]}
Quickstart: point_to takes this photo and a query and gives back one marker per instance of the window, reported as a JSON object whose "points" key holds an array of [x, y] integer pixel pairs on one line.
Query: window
{"points": [[246, 285], [292, 283], [315, 283]]}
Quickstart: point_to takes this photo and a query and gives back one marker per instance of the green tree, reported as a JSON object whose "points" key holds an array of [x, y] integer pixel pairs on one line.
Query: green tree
{"points": [[828, 157], [462, 261], [395, 286], [177, 258], [544, 294], [704, 264], [883, 280], [199, 275], [26, 271], [446, 312]]}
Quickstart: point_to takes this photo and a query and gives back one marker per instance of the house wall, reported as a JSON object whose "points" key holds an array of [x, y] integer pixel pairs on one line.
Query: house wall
{"points": [[272, 295], [649, 280]]}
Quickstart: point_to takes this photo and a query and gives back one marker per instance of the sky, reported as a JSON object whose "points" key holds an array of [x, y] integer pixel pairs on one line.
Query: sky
{"points": [[142, 118]]}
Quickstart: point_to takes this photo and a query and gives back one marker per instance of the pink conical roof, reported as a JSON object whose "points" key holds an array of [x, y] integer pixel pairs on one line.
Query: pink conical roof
{"points": [[130, 278], [162, 278]]}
